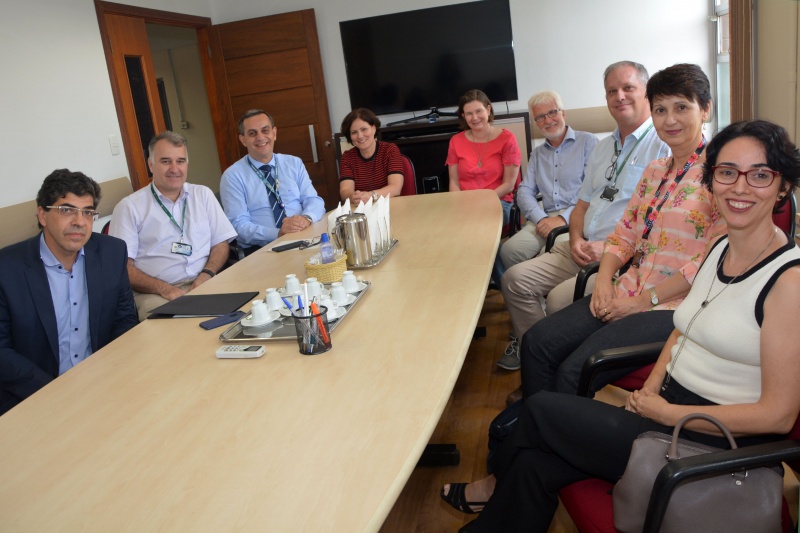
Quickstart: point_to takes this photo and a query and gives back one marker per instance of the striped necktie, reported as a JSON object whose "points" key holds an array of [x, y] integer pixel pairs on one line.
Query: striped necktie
{"points": [[278, 213]]}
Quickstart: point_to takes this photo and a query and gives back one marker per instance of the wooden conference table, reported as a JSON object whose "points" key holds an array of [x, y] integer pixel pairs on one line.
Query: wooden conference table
{"points": [[153, 433]]}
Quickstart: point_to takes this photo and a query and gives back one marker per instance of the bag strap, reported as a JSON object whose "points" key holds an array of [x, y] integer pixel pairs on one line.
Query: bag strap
{"points": [[673, 447]]}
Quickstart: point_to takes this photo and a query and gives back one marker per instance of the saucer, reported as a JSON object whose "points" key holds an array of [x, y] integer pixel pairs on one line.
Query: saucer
{"points": [[282, 292], [248, 321], [359, 287], [350, 299], [335, 314], [285, 311]]}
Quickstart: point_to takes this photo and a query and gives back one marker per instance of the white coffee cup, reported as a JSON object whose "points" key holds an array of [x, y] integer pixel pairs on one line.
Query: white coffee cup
{"points": [[332, 306], [259, 313], [273, 300], [338, 294], [292, 284], [314, 289], [349, 281]]}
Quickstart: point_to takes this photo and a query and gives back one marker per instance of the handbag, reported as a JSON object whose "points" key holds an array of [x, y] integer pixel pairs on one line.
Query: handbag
{"points": [[740, 501]]}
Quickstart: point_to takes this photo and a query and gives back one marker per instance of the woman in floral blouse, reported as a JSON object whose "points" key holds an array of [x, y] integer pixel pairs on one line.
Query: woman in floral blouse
{"points": [[662, 234]]}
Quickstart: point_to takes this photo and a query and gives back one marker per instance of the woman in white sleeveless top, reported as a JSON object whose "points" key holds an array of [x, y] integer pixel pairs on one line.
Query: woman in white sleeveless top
{"points": [[733, 354]]}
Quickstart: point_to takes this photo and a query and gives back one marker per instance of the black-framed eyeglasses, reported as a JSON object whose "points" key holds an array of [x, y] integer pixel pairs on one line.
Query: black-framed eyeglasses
{"points": [[311, 242], [69, 212], [612, 168], [553, 113], [756, 177]]}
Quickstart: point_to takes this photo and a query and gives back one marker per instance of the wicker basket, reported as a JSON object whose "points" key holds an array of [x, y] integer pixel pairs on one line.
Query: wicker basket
{"points": [[329, 272]]}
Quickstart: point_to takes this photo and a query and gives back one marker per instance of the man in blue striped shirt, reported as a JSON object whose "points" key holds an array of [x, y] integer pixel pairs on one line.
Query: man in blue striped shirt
{"points": [[555, 170]]}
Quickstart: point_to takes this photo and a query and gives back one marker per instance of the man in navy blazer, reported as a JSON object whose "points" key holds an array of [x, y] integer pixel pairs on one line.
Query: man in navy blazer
{"points": [[64, 294]]}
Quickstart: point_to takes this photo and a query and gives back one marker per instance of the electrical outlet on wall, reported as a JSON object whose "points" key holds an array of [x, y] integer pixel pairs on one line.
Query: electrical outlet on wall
{"points": [[113, 142], [184, 125]]}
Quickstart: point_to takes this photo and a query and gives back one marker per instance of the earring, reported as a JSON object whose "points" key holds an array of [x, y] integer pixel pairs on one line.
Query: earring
{"points": [[780, 197]]}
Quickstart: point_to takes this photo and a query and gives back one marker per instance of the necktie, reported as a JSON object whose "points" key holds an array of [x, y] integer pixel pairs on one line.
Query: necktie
{"points": [[274, 197]]}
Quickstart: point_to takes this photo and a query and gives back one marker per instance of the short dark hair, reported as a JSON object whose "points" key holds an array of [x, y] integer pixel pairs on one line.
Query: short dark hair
{"points": [[252, 113], [364, 114], [473, 95], [782, 154], [61, 182], [175, 139], [683, 79]]}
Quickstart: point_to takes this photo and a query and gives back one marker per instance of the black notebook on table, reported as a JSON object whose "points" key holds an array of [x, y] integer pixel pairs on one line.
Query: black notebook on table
{"points": [[192, 305]]}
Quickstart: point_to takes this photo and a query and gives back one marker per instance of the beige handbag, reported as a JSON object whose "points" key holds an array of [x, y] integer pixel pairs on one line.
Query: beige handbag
{"points": [[742, 501]]}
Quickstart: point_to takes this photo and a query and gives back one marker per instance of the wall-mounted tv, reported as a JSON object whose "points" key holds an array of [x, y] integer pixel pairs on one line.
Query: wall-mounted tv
{"points": [[417, 60]]}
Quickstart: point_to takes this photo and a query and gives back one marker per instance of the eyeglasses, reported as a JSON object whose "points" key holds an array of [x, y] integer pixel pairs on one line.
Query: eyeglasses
{"points": [[69, 212], [309, 243], [612, 168], [553, 113], [756, 177]]}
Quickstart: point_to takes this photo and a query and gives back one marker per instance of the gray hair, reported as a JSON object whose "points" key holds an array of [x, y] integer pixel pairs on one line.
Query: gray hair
{"points": [[253, 113], [175, 139], [545, 97], [641, 72]]}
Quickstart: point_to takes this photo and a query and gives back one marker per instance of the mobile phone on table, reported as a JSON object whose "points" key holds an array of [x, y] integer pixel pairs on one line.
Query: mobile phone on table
{"points": [[218, 321]]}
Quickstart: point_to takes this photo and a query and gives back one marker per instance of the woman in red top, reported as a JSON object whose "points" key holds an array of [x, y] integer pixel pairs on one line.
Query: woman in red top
{"points": [[372, 168], [483, 156]]}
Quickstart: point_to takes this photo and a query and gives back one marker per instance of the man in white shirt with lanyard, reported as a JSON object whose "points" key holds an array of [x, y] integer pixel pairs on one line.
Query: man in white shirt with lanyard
{"points": [[176, 232], [613, 170], [264, 194]]}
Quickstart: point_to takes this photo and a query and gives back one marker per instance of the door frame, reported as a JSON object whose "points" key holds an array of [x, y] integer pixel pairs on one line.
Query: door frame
{"points": [[203, 27]]}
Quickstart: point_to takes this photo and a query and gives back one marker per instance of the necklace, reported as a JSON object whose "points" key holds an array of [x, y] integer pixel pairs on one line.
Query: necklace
{"points": [[485, 146], [708, 300]]}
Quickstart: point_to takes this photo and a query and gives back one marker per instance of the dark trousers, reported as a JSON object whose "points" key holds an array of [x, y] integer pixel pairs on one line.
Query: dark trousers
{"points": [[561, 439], [554, 349]]}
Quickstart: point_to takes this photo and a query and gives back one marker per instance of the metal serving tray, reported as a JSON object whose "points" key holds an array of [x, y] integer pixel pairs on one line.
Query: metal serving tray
{"points": [[282, 329], [373, 265]]}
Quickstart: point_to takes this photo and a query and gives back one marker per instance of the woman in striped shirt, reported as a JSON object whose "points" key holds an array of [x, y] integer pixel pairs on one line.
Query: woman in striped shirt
{"points": [[371, 169]]}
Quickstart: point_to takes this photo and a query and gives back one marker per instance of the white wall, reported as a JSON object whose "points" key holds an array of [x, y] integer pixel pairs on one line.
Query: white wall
{"points": [[58, 109]]}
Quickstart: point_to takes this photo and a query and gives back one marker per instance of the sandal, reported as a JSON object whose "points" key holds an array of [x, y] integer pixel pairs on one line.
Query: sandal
{"points": [[458, 500]]}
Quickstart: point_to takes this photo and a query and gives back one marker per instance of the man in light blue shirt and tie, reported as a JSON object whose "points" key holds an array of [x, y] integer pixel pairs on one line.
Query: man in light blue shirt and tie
{"points": [[264, 194]]}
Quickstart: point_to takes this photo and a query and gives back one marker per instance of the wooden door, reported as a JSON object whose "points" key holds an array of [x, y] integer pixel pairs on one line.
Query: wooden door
{"points": [[138, 93], [274, 63]]}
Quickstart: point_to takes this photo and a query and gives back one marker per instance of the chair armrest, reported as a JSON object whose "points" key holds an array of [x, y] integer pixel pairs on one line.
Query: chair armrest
{"points": [[583, 278], [551, 237], [677, 472], [235, 253], [630, 356]]}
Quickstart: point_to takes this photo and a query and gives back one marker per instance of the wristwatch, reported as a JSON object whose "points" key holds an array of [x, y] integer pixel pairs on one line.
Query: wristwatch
{"points": [[308, 218], [653, 297], [374, 196]]}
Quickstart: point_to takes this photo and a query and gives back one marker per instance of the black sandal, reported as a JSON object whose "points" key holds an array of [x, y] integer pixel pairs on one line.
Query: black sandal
{"points": [[458, 499]]}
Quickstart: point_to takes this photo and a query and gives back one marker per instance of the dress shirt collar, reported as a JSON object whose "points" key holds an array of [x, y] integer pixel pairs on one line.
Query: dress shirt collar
{"points": [[569, 135], [637, 133], [258, 164], [47, 256], [184, 193]]}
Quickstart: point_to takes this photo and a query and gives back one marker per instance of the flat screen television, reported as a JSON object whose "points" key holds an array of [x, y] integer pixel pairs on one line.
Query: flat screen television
{"points": [[417, 60]]}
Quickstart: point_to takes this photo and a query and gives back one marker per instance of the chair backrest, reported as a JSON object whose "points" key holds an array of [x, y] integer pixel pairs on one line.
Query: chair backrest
{"points": [[409, 178], [785, 217]]}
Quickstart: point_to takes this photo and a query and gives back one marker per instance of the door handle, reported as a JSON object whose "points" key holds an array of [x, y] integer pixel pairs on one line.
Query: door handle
{"points": [[313, 143]]}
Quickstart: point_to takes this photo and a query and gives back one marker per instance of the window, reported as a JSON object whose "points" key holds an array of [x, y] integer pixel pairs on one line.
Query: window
{"points": [[723, 63]]}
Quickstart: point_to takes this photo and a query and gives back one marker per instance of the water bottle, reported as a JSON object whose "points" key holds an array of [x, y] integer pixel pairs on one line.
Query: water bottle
{"points": [[326, 250]]}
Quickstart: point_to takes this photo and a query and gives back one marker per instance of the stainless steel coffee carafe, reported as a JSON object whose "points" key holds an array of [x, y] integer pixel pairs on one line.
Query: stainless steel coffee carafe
{"points": [[351, 233]]}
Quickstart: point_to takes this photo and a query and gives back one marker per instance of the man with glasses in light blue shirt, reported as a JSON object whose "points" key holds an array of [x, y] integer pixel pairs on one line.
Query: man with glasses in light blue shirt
{"points": [[64, 293], [555, 170], [264, 194]]}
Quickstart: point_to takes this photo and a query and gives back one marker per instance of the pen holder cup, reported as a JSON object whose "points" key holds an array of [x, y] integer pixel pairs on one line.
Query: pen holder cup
{"points": [[328, 272], [313, 332]]}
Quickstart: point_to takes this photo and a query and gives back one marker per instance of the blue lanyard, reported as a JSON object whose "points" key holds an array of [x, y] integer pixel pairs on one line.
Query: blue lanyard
{"points": [[263, 178]]}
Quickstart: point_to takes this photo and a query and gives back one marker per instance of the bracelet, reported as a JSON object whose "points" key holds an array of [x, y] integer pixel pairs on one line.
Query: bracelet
{"points": [[207, 271]]}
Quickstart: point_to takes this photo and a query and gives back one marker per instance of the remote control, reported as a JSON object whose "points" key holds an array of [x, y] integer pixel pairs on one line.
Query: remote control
{"points": [[240, 352]]}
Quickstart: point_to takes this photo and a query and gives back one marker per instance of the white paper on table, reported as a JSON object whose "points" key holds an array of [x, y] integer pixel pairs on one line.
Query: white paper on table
{"points": [[374, 230], [388, 219], [346, 207], [360, 208], [334, 214]]}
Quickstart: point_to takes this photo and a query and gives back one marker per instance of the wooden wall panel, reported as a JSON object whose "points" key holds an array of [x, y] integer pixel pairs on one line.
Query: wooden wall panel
{"points": [[273, 72], [278, 32], [291, 107]]}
